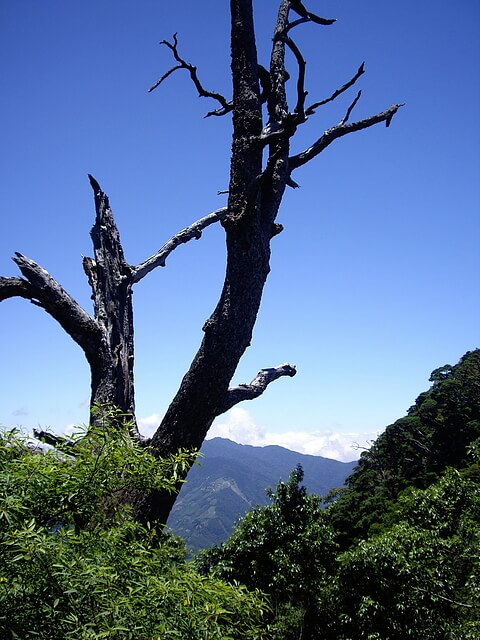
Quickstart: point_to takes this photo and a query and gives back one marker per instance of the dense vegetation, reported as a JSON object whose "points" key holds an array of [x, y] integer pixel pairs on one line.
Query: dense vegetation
{"points": [[395, 555], [415, 451], [74, 564]]}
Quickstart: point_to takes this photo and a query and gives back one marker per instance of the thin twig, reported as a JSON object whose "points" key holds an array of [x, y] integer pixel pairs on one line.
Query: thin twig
{"points": [[350, 109], [311, 109], [225, 105]]}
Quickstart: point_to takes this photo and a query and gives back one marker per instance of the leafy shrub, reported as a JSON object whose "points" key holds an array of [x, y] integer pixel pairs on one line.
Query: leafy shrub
{"points": [[287, 550], [419, 578], [74, 563]]}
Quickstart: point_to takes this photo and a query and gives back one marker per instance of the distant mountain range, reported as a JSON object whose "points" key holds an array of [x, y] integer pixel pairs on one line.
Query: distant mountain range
{"points": [[231, 479]]}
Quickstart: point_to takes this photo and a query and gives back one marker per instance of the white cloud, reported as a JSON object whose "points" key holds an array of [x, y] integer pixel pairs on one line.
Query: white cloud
{"points": [[148, 425], [239, 426], [73, 430]]}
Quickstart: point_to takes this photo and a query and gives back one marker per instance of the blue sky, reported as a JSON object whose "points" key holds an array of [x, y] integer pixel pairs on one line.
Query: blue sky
{"points": [[375, 280]]}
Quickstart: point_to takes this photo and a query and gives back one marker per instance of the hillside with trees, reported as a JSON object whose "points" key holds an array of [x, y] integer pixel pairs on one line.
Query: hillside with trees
{"points": [[414, 451], [405, 563], [397, 553], [229, 480]]}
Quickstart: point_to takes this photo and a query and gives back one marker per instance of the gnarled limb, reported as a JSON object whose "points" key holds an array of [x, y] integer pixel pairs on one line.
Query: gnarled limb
{"points": [[194, 231], [256, 387], [339, 131], [110, 278], [16, 287], [108, 272], [300, 9], [226, 106], [44, 291]]}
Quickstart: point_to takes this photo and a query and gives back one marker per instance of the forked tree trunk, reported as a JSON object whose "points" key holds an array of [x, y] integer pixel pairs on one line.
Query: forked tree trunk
{"points": [[253, 203], [255, 194]]}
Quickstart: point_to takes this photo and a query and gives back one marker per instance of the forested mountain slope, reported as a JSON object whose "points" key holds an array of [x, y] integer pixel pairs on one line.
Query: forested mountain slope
{"points": [[231, 479], [415, 450], [397, 552]]}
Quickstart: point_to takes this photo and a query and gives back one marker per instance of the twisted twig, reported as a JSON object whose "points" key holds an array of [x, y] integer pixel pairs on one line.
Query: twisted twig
{"points": [[225, 105]]}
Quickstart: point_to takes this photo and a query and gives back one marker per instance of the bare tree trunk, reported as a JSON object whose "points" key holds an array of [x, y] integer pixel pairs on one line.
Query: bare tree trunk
{"points": [[111, 280], [255, 193]]}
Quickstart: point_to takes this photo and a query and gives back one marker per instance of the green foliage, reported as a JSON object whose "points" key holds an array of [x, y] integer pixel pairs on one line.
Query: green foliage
{"points": [[414, 451], [74, 563], [284, 549], [84, 486], [418, 579], [395, 555], [408, 524]]}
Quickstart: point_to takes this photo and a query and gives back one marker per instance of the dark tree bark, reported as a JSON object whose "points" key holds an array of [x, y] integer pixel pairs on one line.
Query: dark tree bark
{"points": [[255, 193], [110, 278]]}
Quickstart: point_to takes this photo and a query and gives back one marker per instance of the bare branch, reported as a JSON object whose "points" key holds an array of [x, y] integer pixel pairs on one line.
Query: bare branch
{"points": [[59, 442], [15, 287], [256, 387], [339, 131], [301, 93], [45, 292], [346, 117], [165, 76], [265, 83], [420, 445], [455, 602], [220, 112], [277, 100], [311, 109], [299, 8], [193, 231], [226, 106], [295, 23], [292, 184], [68, 446]]}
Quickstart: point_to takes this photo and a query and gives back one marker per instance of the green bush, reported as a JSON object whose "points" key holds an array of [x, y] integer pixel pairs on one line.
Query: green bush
{"points": [[419, 578], [285, 549], [75, 565]]}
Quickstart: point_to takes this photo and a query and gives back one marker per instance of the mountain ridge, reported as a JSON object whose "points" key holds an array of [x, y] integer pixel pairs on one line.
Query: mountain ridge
{"points": [[231, 479]]}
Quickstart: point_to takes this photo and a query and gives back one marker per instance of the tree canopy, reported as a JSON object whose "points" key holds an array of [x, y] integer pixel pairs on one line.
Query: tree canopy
{"points": [[396, 555], [415, 450]]}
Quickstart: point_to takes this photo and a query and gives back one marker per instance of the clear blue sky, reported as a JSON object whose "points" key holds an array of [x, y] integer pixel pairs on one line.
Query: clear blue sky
{"points": [[375, 280]]}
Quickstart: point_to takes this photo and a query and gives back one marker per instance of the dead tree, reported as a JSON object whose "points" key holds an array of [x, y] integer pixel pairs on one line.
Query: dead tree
{"points": [[261, 168]]}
